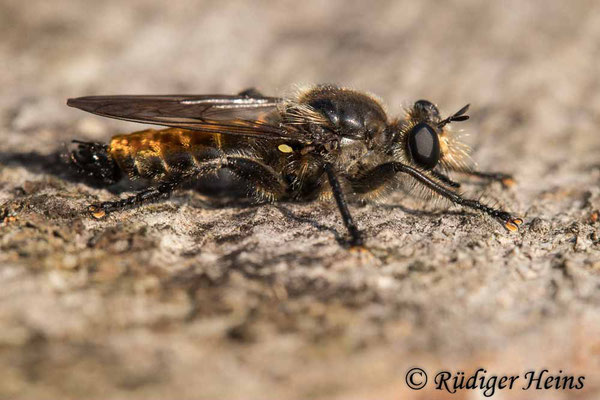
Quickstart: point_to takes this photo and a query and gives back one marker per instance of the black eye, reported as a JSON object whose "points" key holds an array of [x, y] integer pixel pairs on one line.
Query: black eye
{"points": [[424, 145]]}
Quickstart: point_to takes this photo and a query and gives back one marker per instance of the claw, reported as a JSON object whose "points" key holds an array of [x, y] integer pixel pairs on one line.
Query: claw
{"points": [[508, 182], [364, 255], [512, 224], [360, 249], [96, 212], [9, 220]]}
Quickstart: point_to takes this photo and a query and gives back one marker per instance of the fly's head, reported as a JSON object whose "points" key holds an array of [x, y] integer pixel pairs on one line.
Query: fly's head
{"points": [[424, 139]]}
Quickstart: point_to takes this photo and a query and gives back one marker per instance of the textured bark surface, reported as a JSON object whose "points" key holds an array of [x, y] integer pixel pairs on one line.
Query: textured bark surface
{"points": [[192, 298]]}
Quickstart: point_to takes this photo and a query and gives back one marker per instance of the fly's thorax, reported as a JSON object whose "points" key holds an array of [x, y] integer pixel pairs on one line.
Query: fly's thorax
{"points": [[346, 112], [355, 156]]}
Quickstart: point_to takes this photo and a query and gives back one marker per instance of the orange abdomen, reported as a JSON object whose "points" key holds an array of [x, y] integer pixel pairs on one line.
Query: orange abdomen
{"points": [[154, 153]]}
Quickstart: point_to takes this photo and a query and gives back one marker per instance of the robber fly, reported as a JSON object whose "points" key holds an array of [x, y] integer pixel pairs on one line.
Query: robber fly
{"points": [[326, 142]]}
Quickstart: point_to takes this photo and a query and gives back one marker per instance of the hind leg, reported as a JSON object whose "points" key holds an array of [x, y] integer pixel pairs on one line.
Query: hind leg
{"points": [[92, 159], [163, 190], [266, 183]]}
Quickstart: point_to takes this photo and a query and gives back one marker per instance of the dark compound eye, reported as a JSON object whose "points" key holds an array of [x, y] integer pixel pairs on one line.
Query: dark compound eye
{"points": [[424, 145]]}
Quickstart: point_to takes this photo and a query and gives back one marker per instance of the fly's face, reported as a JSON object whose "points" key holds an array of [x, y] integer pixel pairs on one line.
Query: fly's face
{"points": [[425, 140]]}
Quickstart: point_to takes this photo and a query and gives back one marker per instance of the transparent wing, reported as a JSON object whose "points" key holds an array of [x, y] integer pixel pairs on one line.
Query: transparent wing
{"points": [[235, 115]]}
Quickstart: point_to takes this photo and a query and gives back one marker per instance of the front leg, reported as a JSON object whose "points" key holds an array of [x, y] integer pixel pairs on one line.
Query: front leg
{"points": [[356, 237], [445, 178], [506, 180], [389, 169], [511, 223]]}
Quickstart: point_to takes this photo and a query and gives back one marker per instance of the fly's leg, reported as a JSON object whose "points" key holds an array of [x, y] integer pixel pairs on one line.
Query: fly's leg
{"points": [[445, 179], [388, 169], [506, 180], [163, 190], [266, 183], [511, 223], [355, 235], [381, 176]]}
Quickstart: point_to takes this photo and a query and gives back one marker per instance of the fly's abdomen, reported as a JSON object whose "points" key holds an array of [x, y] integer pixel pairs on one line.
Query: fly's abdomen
{"points": [[153, 154]]}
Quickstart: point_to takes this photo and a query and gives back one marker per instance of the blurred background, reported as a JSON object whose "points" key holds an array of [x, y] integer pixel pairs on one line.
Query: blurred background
{"points": [[470, 298]]}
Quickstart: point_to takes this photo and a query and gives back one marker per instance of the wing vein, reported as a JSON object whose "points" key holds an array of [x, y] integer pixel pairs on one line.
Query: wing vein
{"points": [[224, 114]]}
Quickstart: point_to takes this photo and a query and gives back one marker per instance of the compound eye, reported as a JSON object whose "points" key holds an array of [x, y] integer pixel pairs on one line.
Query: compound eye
{"points": [[424, 145]]}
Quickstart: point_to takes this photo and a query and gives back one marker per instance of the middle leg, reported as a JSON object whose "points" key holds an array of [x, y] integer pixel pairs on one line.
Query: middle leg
{"points": [[338, 194]]}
